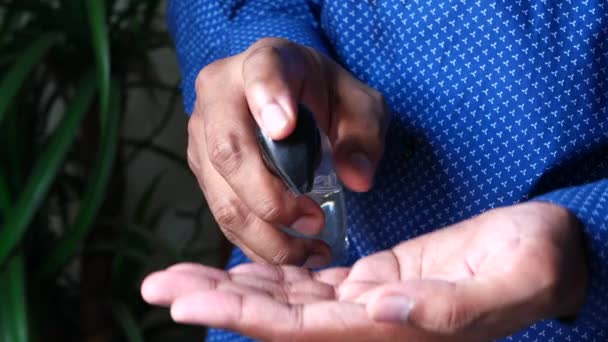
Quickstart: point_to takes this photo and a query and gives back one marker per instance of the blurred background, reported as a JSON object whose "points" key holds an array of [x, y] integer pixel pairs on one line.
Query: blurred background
{"points": [[95, 190]]}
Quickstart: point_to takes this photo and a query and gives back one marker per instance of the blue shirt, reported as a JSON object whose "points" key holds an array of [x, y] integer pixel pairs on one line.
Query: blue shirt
{"points": [[493, 102]]}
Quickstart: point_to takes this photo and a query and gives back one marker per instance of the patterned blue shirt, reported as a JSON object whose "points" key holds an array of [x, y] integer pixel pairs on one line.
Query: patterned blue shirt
{"points": [[493, 102]]}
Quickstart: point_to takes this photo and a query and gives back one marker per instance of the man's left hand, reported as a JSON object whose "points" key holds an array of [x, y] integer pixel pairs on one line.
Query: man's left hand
{"points": [[480, 279]]}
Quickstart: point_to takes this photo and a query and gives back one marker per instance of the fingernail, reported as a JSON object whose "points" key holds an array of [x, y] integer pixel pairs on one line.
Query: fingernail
{"points": [[316, 261], [362, 164], [393, 309], [273, 118], [308, 225]]}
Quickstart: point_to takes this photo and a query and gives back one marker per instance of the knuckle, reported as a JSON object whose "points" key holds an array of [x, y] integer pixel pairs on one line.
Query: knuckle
{"points": [[228, 216], [268, 42], [192, 150], [455, 320], [263, 53], [225, 155], [207, 75], [450, 317], [192, 160], [281, 256], [377, 97], [194, 125], [268, 209]]}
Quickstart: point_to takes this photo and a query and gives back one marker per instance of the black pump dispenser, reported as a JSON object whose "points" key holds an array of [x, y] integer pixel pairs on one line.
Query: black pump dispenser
{"points": [[295, 158]]}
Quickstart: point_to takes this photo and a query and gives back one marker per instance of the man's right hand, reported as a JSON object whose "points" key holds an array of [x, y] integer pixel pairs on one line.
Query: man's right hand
{"points": [[264, 84]]}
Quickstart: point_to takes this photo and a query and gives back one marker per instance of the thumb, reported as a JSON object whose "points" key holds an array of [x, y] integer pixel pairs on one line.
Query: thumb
{"points": [[277, 75], [445, 307]]}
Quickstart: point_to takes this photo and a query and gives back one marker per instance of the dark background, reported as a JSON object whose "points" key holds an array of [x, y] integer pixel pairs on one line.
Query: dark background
{"points": [[95, 191]]}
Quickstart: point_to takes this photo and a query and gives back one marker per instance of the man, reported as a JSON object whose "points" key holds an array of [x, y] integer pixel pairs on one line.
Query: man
{"points": [[479, 212]]}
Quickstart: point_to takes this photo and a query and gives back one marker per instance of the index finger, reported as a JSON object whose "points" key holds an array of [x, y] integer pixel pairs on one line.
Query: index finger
{"points": [[234, 153], [267, 319]]}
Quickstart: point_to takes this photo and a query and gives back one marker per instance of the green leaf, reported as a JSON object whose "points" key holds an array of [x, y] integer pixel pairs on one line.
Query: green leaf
{"points": [[94, 193], [43, 173], [10, 313], [26, 62], [5, 198], [96, 11], [13, 311], [127, 322]]}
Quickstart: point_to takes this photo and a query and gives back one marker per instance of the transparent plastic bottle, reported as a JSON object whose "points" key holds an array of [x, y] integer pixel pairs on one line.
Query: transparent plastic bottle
{"points": [[303, 161]]}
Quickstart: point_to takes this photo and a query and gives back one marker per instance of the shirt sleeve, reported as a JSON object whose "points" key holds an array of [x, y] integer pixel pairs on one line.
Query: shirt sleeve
{"points": [[590, 204], [207, 30]]}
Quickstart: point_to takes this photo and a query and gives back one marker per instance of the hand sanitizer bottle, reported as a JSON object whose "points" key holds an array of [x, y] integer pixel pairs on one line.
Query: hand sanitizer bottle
{"points": [[303, 161]]}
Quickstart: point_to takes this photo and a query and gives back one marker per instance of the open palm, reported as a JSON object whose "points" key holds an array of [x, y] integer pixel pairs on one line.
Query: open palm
{"points": [[480, 279]]}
